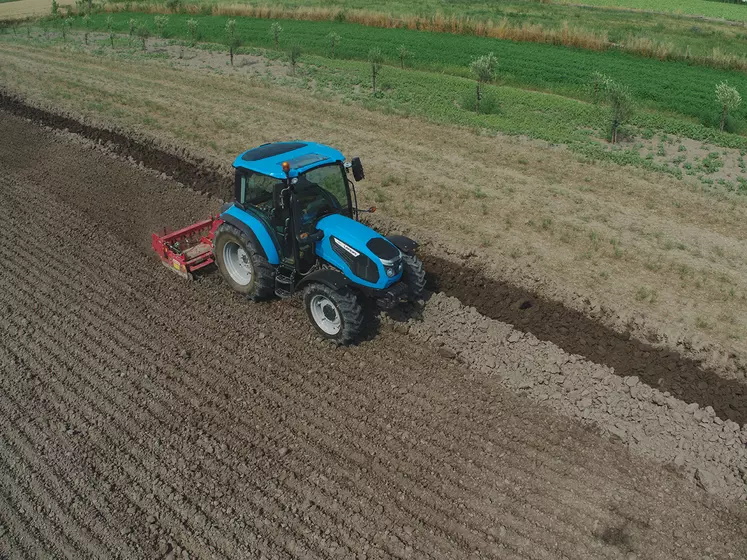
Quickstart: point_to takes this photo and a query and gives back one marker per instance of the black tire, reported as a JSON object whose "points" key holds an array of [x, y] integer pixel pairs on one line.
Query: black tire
{"points": [[262, 283], [344, 306], [414, 276]]}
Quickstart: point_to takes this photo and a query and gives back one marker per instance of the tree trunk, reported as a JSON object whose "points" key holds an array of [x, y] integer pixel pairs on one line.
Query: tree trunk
{"points": [[723, 118], [230, 51], [373, 75], [478, 96], [111, 39]]}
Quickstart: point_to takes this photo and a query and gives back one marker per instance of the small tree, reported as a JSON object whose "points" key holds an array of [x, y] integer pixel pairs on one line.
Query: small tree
{"points": [[66, 24], [234, 41], [483, 68], [404, 54], [55, 9], [143, 34], [376, 59], [86, 27], [294, 54], [728, 99], [598, 85], [110, 29], [133, 24], [192, 26], [333, 39], [622, 105], [275, 30], [161, 22]]}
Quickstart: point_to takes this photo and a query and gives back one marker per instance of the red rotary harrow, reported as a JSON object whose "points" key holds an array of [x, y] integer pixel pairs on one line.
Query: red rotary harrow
{"points": [[188, 249]]}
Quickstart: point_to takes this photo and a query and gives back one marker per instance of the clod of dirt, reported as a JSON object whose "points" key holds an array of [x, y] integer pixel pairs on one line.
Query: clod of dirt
{"points": [[650, 421]]}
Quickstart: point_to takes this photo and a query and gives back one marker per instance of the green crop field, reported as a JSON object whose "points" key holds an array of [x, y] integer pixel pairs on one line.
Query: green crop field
{"points": [[708, 8], [669, 88], [636, 30]]}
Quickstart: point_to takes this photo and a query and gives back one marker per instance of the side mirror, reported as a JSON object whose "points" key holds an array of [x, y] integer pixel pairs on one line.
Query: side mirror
{"points": [[357, 169]]}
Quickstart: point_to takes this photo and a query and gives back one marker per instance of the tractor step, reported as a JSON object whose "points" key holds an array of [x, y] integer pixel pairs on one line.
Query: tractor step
{"points": [[281, 293], [284, 278]]}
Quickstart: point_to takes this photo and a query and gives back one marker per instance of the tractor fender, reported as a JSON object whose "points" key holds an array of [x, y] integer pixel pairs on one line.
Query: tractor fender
{"points": [[334, 279], [254, 230], [404, 244]]}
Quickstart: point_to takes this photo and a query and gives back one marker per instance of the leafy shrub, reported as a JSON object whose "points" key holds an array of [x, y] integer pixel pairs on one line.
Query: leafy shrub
{"points": [[728, 99], [483, 68], [489, 104], [275, 30], [161, 22]]}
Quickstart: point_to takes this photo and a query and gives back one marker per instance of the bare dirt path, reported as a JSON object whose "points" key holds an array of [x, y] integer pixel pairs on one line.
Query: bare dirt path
{"points": [[142, 416]]}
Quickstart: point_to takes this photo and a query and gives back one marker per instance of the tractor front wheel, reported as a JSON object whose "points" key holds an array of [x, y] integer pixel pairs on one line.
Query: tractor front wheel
{"points": [[240, 263], [414, 276], [336, 314]]}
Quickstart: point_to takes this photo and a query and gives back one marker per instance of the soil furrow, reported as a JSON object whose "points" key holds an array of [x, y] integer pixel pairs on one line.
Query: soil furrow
{"points": [[239, 434], [556, 522], [569, 329], [79, 525], [52, 534], [570, 531], [135, 451], [90, 335], [29, 271], [205, 388], [153, 304], [591, 474], [22, 544], [137, 468]]}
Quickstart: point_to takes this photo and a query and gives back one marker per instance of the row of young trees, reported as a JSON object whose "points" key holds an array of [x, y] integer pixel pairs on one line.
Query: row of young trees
{"points": [[621, 101], [484, 68]]}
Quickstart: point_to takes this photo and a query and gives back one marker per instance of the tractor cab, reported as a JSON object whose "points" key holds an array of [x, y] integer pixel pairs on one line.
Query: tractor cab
{"points": [[291, 186]]}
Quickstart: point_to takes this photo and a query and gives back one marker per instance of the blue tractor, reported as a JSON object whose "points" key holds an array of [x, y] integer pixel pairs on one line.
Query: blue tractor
{"points": [[293, 228]]}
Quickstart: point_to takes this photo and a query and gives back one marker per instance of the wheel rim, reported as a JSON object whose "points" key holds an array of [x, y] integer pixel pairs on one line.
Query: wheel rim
{"points": [[325, 314], [238, 263]]}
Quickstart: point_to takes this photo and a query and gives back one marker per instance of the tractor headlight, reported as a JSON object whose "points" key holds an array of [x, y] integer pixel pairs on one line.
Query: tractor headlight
{"points": [[393, 267]]}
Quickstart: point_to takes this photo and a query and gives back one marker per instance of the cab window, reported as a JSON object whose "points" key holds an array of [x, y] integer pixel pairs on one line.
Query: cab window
{"points": [[331, 179], [257, 190]]}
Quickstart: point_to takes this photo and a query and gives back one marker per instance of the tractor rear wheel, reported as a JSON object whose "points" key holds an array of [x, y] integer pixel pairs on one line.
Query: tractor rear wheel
{"points": [[240, 263], [414, 276], [336, 314]]}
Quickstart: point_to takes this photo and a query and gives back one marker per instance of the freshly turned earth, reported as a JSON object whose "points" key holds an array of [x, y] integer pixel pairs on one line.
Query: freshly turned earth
{"points": [[142, 416]]}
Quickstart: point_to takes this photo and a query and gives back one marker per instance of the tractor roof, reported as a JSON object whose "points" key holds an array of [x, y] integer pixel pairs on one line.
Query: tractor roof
{"points": [[302, 156]]}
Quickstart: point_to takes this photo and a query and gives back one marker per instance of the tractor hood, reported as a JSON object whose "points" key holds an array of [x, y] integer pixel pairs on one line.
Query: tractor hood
{"points": [[362, 254]]}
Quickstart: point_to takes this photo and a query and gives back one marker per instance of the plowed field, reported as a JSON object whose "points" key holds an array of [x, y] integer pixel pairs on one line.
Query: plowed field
{"points": [[142, 416]]}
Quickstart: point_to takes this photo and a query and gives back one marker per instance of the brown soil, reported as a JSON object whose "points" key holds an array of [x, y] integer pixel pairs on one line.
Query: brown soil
{"points": [[579, 334], [143, 416], [549, 320], [643, 253]]}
